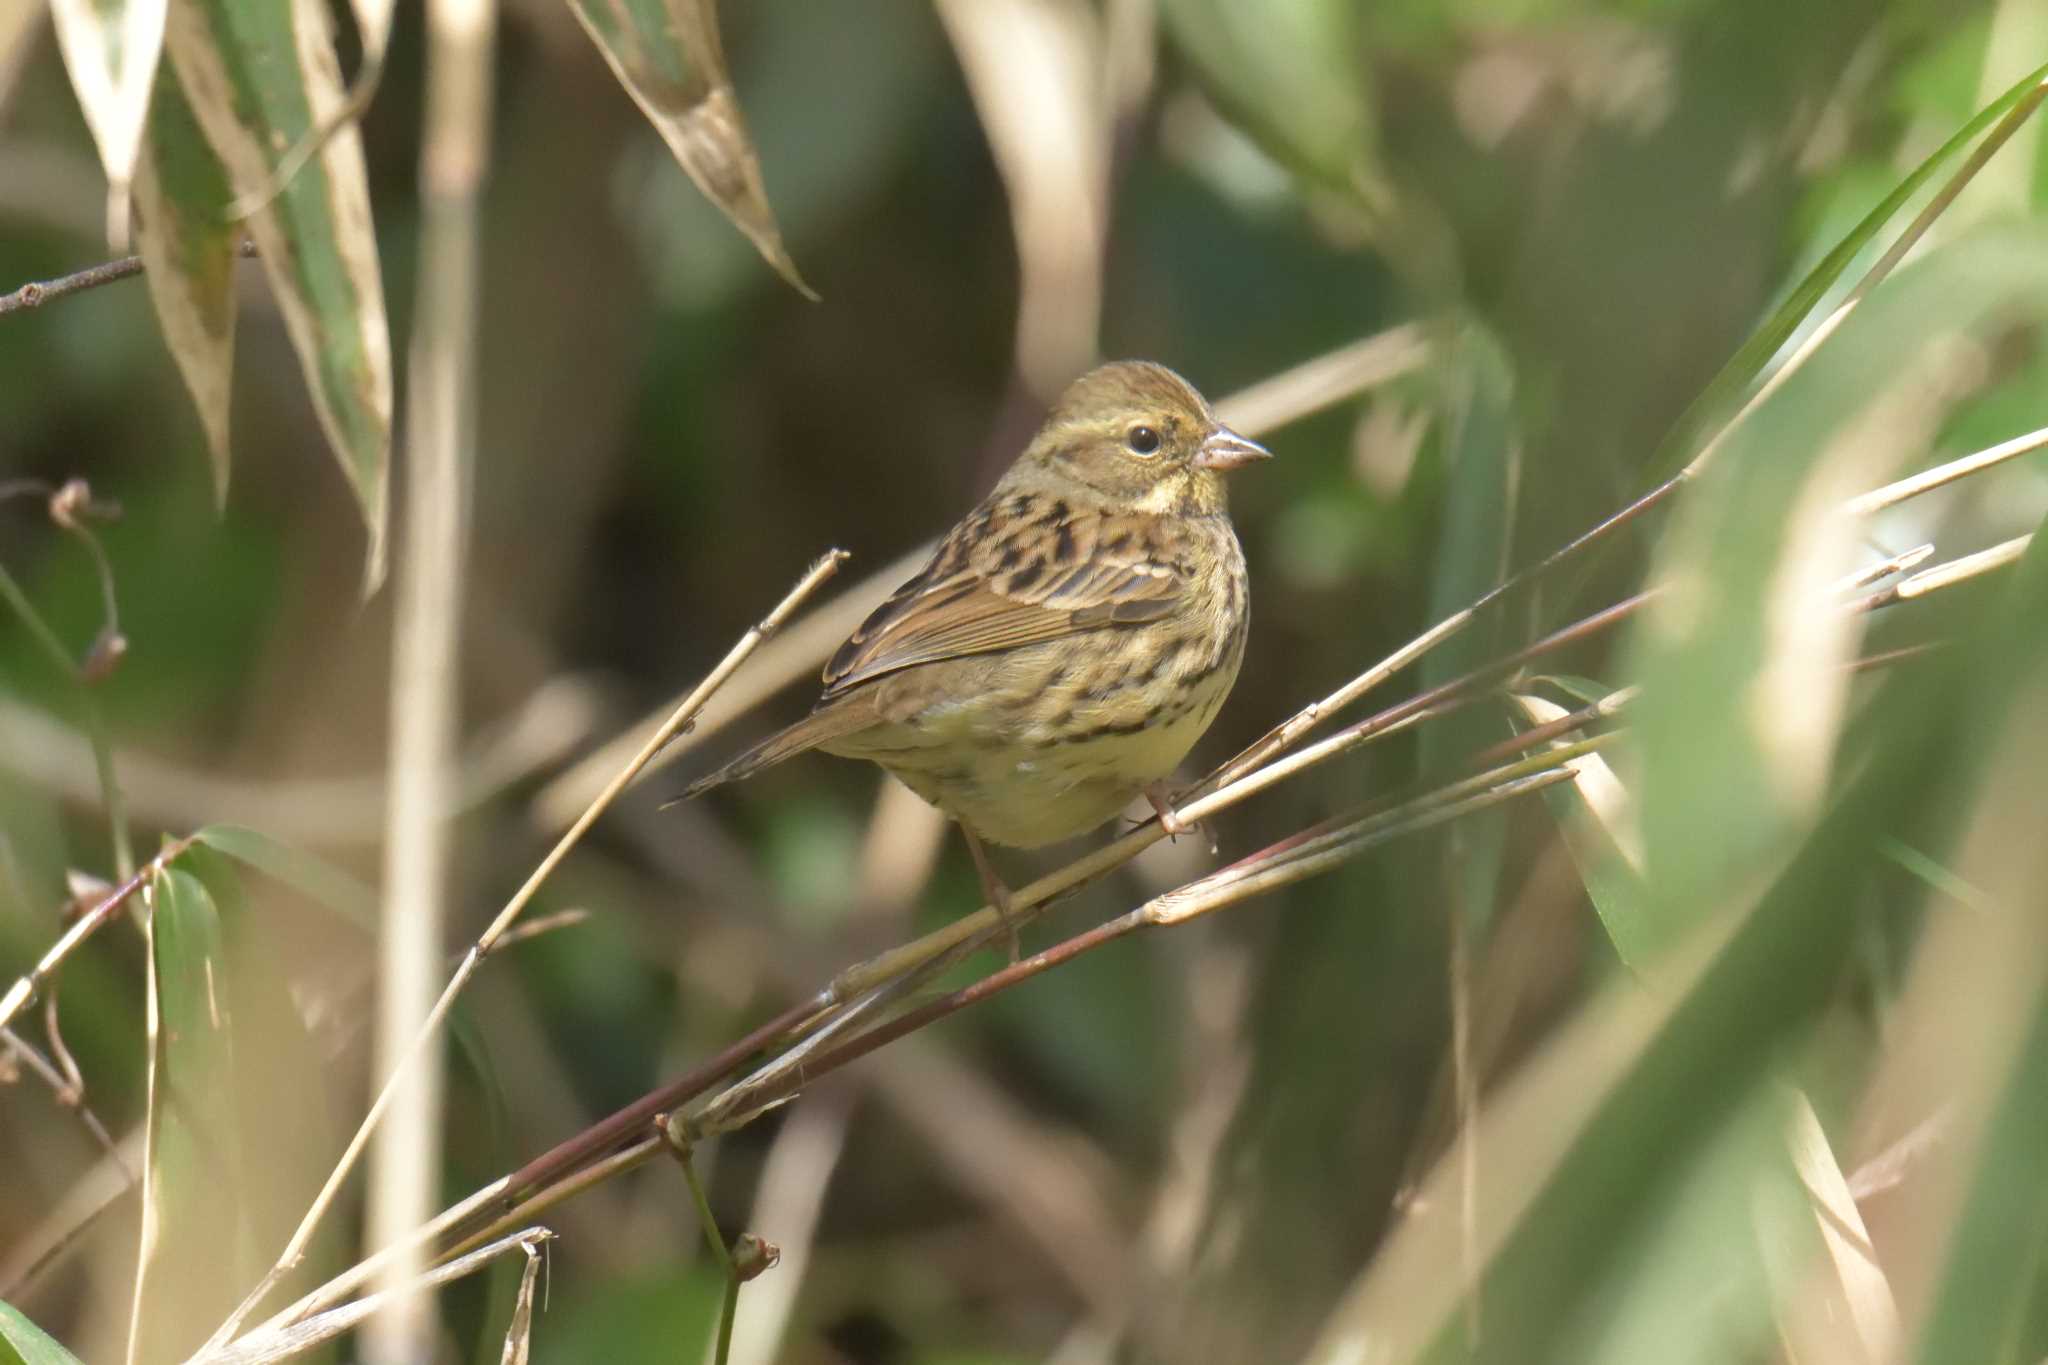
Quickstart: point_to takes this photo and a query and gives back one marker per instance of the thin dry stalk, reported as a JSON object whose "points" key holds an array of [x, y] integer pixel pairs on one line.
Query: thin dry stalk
{"points": [[262, 1348], [69, 506], [406, 1166], [295, 1248], [564, 1171], [1927, 480], [1946, 575], [1281, 865], [25, 988]]}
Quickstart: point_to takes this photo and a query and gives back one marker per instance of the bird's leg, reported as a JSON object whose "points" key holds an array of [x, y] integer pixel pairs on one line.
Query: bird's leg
{"points": [[1171, 823], [992, 886]]}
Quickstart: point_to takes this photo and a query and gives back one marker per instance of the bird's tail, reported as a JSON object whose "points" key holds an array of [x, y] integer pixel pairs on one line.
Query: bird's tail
{"points": [[819, 727]]}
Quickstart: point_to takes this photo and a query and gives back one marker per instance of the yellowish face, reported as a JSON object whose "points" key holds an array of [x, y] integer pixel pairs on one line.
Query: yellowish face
{"points": [[1135, 433]]}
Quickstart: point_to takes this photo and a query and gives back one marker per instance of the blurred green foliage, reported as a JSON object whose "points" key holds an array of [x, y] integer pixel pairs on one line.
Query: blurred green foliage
{"points": [[1592, 204]]}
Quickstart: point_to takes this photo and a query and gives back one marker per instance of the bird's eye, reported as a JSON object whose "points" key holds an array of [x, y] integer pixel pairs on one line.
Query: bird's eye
{"points": [[1142, 440]]}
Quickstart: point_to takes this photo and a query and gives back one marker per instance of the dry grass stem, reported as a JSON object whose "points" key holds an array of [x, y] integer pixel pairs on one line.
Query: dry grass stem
{"points": [[1942, 475], [262, 1348], [25, 988], [405, 1168], [682, 715]]}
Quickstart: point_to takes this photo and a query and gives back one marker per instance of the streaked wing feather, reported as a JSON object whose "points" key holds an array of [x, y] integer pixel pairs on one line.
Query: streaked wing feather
{"points": [[968, 600]]}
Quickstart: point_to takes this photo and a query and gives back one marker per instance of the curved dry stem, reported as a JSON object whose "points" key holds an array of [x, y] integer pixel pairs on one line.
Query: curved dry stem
{"points": [[25, 988], [302, 1236]]}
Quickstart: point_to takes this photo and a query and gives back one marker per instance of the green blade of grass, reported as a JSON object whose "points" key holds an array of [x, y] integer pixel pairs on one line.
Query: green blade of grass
{"points": [[313, 876], [24, 1343], [1723, 395]]}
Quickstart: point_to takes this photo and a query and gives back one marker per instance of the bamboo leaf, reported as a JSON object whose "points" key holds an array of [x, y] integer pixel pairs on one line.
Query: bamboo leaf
{"points": [[1473, 555], [1992, 1305], [1722, 397], [24, 1343], [1583, 1144], [1586, 1141], [1597, 818], [668, 55], [1741, 658], [519, 1332], [258, 78], [1978, 999], [187, 245], [313, 876], [1859, 1281], [192, 1193], [111, 48], [1292, 73]]}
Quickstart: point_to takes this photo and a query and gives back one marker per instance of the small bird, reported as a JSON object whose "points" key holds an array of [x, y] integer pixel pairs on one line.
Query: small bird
{"points": [[1070, 639]]}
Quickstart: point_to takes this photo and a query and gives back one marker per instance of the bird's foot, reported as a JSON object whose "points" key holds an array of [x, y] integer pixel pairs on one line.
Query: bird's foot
{"points": [[1172, 823]]}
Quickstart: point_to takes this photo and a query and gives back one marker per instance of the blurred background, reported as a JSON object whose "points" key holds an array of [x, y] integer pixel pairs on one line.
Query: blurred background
{"points": [[1184, 1146]]}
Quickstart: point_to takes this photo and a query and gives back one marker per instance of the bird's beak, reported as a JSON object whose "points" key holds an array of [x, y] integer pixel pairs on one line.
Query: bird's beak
{"points": [[1225, 449]]}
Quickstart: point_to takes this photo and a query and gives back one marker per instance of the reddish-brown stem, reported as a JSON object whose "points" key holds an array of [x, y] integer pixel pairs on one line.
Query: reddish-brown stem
{"points": [[631, 1121]]}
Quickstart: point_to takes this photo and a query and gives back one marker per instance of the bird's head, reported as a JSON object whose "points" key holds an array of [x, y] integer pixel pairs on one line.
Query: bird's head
{"points": [[1135, 437]]}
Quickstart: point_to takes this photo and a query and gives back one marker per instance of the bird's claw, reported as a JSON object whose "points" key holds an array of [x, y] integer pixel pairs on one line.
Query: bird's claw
{"points": [[1170, 820]]}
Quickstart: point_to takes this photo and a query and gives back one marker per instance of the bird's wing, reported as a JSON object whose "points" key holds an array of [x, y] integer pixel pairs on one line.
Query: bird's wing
{"points": [[1013, 574]]}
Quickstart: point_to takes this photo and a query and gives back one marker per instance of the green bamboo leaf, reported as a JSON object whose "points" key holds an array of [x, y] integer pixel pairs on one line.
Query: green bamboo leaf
{"points": [[1989, 1290], [1293, 73], [259, 77], [315, 877], [668, 55], [1992, 1305], [194, 1242], [1473, 555], [1587, 1147], [1722, 398], [1741, 659], [111, 48], [24, 1343], [187, 245], [1596, 816]]}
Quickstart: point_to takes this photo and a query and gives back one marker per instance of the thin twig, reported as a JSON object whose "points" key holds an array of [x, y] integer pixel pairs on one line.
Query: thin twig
{"points": [[295, 1248], [26, 987], [1289, 732], [69, 506], [1284, 863], [261, 1348], [729, 1304], [36, 293], [561, 1171], [856, 982], [68, 1091], [1943, 474], [1945, 575]]}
